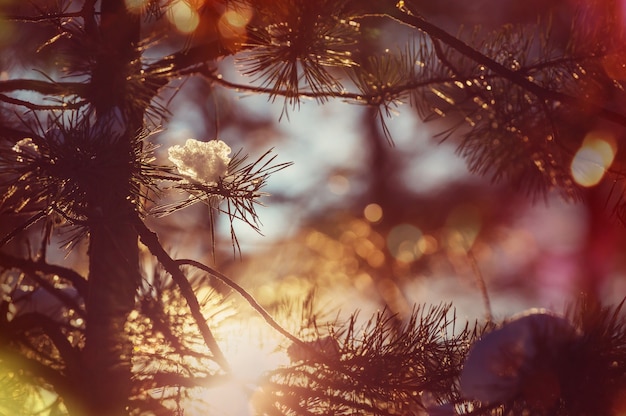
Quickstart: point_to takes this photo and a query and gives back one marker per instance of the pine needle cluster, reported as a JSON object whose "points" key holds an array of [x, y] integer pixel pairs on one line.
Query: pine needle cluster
{"points": [[295, 44], [235, 194], [70, 170], [171, 360], [388, 368], [383, 367]]}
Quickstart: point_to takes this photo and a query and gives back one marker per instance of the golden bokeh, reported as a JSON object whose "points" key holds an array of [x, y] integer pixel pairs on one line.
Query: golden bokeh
{"points": [[232, 26], [462, 227], [373, 213], [593, 158], [183, 16], [338, 184], [402, 241], [136, 6]]}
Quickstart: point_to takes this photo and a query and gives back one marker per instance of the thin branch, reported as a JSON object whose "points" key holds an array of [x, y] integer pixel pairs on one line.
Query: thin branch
{"points": [[308, 347], [30, 266], [22, 227], [42, 107], [195, 62], [482, 285], [44, 87], [357, 97], [41, 18], [151, 240], [193, 57], [248, 297], [66, 299]]}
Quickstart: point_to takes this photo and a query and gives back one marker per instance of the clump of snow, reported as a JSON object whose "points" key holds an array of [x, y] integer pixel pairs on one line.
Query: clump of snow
{"points": [[204, 162], [517, 359]]}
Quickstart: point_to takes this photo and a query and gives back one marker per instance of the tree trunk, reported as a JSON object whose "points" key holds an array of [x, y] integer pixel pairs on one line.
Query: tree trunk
{"points": [[113, 243], [113, 278]]}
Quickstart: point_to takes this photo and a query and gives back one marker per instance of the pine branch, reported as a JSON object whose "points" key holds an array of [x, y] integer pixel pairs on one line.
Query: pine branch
{"points": [[34, 267], [42, 107], [296, 43], [371, 98], [43, 17], [238, 188], [515, 77], [44, 87], [380, 368], [22, 227], [253, 303], [151, 240]]}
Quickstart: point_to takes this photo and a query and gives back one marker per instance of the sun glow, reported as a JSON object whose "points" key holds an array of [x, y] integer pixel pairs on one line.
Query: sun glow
{"points": [[252, 349]]}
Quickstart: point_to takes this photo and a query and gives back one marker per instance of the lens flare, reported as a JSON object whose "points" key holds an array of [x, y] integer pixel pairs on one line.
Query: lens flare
{"points": [[183, 17], [402, 241], [232, 26], [338, 184], [373, 213], [136, 6], [594, 157], [463, 226]]}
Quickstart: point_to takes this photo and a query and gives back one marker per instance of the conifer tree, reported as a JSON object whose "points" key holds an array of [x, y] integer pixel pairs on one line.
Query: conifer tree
{"points": [[129, 328]]}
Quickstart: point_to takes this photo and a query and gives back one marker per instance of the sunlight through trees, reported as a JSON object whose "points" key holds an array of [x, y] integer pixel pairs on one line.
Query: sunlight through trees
{"points": [[312, 207]]}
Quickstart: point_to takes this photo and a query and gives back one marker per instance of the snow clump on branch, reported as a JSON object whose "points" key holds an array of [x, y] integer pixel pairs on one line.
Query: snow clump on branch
{"points": [[203, 162]]}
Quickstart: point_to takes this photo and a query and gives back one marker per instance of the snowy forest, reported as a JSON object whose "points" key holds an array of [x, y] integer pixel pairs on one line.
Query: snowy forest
{"points": [[312, 207]]}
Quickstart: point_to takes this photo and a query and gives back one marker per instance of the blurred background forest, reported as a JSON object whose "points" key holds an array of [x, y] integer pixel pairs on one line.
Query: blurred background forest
{"points": [[371, 224], [371, 215]]}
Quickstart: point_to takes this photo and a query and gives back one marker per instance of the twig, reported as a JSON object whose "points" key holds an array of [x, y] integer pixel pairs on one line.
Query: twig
{"points": [[22, 227], [357, 97], [260, 310], [42, 107], [247, 296], [40, 18], [151, 240], [78, 281], [482, 286], [44, 87]]}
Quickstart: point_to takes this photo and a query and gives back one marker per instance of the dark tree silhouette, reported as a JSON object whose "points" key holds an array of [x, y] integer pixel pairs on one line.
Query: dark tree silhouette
{"points": [[121, 325]]}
